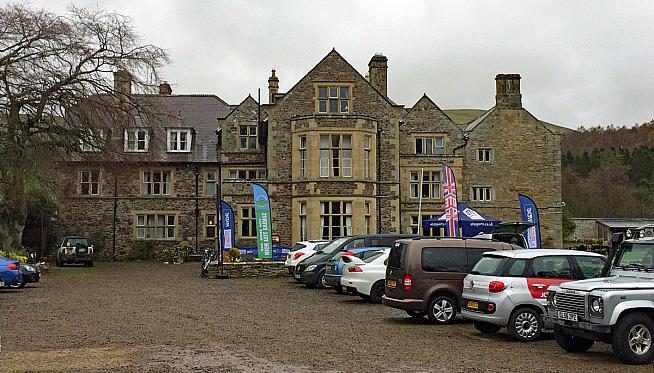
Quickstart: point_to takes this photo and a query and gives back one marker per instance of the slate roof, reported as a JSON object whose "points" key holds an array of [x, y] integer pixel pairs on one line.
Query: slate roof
{"points": [[624, 223]]}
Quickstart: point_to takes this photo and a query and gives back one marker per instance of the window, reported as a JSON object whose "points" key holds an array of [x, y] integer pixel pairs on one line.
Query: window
{"points": [[303, 156], [366, 157], [303, 221], [334, 99], [155, 226], [211, 183], [430, 188], [210, 226], [335, 219], [590, 266], [90, 183], [474, 254], [179, 140], [415, 227], [335, 155], [550, 267], [430, 145], [444, 260], [136, 140], [247, 136], [92, 140], [156, 183], [482, 194], [367, 217], [247, 174], [484, 154], [248, 222], [517, 268]]}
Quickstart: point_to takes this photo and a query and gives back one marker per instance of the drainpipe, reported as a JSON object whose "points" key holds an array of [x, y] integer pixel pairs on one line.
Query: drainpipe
{"points": [[379, 214], [113, 243], [197, 206]]}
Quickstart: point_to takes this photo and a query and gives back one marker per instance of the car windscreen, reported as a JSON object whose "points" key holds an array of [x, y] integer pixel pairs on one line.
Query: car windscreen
{"points": [[297, 247], [636, 256], [489, 265], [397, 256], [76, 242], [319, 246], [334, 245]]}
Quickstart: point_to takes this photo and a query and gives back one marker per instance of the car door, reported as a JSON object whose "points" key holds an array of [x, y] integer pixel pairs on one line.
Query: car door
{"points": [[548, 270]]}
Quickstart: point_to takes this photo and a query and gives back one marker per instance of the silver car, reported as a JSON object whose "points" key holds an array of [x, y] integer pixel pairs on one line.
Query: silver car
{"points": [[509, 288]]}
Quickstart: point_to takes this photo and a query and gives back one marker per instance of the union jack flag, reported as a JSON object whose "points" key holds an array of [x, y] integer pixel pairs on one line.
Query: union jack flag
{"points": [[451, 203]]}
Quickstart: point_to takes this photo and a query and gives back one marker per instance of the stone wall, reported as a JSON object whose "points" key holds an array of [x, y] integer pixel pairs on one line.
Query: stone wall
{"points": [[585, 229], [250, 269]]}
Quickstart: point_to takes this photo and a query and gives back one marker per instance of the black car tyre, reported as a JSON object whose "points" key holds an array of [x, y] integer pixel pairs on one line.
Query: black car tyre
{"points": [[415, 314], [19, 285], [632, 339], [571, 343], [442, 310], [525, 325], [321, 281], [486, 328], [377, 291]]}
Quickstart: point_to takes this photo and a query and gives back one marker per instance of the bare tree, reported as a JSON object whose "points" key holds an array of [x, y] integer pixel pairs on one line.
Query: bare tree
{"points": [[57, 90]]}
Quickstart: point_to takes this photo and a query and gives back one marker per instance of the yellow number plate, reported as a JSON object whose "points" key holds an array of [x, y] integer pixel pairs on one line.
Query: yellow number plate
{"points": [[473, 305], [392, 283]]}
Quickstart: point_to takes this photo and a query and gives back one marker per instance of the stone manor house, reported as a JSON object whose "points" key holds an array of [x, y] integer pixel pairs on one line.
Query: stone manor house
{"points": [[337, 155]]}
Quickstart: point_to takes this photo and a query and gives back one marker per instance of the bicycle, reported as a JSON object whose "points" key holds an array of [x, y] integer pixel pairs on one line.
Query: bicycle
{"points": [[208, 256]]}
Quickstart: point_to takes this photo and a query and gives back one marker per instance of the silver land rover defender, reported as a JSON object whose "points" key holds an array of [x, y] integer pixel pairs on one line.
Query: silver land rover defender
{"points": [[616, 309]]}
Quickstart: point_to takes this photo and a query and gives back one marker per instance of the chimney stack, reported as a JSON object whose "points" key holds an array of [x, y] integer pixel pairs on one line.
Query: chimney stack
{"points": [[508, 92], [123, 83], [164, 89], [273, 87], [377, 73]]}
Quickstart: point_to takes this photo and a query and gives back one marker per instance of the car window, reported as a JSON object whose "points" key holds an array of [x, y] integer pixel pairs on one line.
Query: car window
{"points": [[367, 254], [76, 241], [475, 254], [397, 257], [517, 268], [297, 247], [372, 256], [444, 260], [360, 242], [551, 267], [590, 266], [635, 254], [489, 265], [319, 247]]}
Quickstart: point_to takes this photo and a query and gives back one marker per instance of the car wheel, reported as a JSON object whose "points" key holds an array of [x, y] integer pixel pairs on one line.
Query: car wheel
{"points": [[571, 343], [19, 285], [415, 314], [525, 325], [442, 310], [377, 292], [632, 339], [322, 284], [486, 328]]}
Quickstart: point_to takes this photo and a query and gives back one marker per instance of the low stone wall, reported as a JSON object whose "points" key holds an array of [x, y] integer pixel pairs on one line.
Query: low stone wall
{"points": [[249, 269]]}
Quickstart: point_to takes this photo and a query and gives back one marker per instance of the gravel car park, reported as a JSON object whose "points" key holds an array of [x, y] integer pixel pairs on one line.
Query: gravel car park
{"points": [[156, 317]]}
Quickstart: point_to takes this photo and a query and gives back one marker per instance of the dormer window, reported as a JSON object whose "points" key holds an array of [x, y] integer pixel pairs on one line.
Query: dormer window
{"points": [[92, 140], [333, 99], [136, 140], [179, 140]]}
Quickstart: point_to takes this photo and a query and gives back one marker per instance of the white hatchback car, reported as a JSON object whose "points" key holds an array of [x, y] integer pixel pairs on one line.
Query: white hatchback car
{"points": [[509, 288], [300, 251], [366, 277]]}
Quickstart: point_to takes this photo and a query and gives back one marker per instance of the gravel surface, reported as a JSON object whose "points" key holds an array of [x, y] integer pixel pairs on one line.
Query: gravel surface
{"points": [[155, 317]]}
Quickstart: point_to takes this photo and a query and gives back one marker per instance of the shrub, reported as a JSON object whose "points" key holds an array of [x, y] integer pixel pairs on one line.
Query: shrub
{"points": [[234, 255]]}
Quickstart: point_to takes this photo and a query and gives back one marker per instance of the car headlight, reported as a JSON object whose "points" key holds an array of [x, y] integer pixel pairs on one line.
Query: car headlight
{"points": [[596, 306], [629, 233], [310, 268]]}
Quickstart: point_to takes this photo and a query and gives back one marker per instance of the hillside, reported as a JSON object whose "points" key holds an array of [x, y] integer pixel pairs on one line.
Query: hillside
{"points": [[609, 171]]}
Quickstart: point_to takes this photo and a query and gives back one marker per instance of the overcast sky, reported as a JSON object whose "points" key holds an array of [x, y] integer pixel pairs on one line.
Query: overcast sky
{"points": [[582, 62]]}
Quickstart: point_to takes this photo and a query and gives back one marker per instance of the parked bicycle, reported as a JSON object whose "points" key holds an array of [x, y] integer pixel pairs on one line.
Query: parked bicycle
{"points": [[208, 256]]}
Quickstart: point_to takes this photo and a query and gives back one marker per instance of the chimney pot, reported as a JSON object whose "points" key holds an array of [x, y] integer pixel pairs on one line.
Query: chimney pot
{"points": [[507, 95], [165, 89], [273, 87]]}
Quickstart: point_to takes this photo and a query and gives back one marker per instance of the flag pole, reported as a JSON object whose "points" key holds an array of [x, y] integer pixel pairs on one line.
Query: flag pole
{"points": [[420, 227]]}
